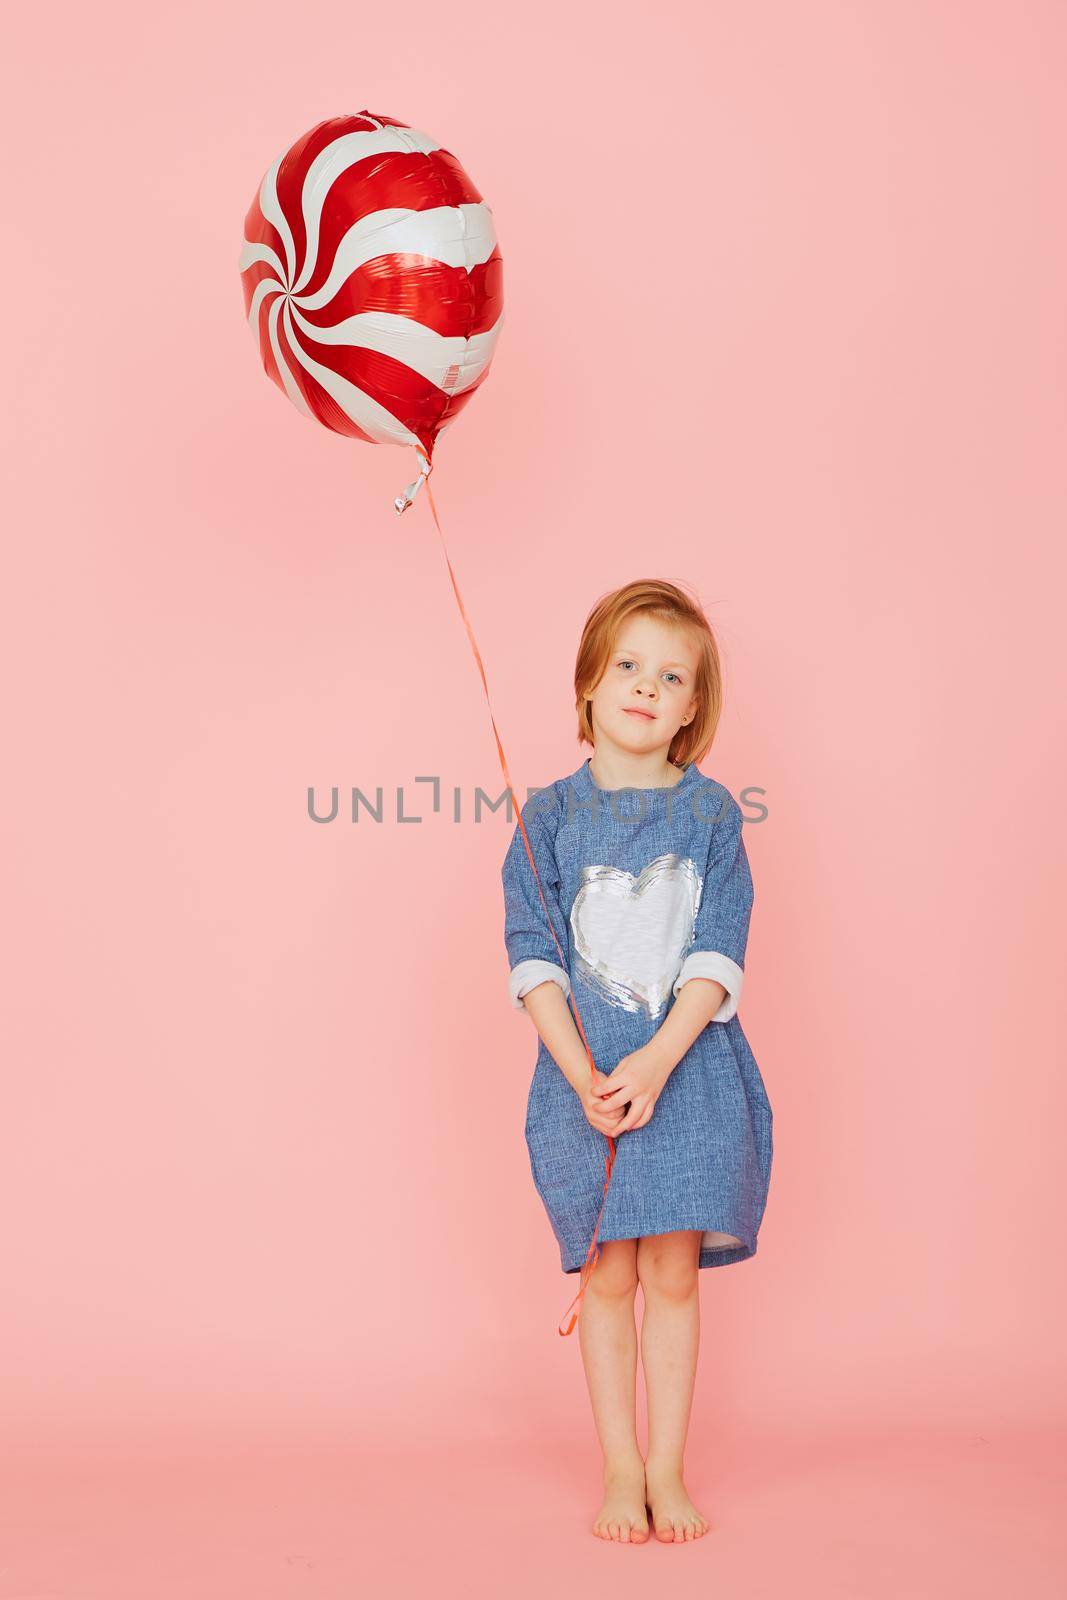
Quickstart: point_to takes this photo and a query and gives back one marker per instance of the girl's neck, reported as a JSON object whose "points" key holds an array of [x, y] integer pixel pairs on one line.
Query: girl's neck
{"points": [[617, 769]]}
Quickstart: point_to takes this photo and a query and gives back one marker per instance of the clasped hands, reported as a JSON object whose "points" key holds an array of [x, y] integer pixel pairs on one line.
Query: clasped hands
{"points": [[626, 1098]]}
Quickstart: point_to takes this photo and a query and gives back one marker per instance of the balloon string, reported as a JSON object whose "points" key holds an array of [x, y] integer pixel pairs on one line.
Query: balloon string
{"points": [[592, 1255]]}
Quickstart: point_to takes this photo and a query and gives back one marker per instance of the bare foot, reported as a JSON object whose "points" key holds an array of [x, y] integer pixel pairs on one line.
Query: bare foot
{"points": [[622, 1515], [674, 1516]]}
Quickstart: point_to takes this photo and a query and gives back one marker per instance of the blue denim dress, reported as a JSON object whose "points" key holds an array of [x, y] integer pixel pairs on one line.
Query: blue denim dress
{"points": [[646, 888]]}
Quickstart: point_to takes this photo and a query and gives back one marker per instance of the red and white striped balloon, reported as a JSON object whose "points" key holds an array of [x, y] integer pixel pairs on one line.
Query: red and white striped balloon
{"points": [[373, 282]]}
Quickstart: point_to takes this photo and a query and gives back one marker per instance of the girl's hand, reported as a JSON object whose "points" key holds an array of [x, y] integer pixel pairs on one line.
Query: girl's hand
{"points": [[639, 1079], [603, 1119]]}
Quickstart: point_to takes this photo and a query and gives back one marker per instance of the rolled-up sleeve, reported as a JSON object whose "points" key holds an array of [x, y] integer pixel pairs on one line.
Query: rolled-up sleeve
{"points": [[532, 952], [720, 931]]}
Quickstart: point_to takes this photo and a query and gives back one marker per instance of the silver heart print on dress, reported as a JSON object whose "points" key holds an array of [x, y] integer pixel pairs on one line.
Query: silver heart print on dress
{"points": [[631, 934]]}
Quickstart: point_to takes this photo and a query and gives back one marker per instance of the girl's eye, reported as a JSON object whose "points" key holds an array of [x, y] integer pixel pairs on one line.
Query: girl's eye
{"points": [[673, 675]]}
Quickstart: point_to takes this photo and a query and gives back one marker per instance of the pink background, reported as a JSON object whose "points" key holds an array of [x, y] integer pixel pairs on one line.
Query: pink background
{"points": [[785, 323]]}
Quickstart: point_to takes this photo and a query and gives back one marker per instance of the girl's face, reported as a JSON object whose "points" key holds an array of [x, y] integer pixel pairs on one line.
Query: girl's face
{"points": [[647, 691]]}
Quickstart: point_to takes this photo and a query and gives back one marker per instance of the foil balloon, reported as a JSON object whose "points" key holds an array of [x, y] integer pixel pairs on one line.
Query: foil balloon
{"points": [[373, 282]]}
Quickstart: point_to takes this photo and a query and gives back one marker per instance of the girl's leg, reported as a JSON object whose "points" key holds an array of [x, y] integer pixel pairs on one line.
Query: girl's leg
{"points": [[668, 1268], [607, 1333]]}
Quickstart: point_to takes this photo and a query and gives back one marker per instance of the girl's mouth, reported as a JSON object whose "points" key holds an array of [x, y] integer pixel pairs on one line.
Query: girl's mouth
{"points": [[632, 711]]}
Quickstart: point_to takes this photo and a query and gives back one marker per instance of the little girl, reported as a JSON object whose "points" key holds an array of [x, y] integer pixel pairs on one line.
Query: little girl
{"points": [[646, 879]]}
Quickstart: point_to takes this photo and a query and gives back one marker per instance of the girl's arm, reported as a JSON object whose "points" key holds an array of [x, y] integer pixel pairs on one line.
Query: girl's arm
{"points": [[708, 985], [698, 1001], [533, 943], [536, 981], [720, 933], [551, 1016]]}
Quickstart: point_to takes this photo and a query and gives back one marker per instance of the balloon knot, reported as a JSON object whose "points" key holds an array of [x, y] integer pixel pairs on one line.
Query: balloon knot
{"points": [[407, 498]]}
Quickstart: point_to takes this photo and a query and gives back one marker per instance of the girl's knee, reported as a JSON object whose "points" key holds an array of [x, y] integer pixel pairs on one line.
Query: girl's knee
{"points": [[615, 1274], [668, 1264]]}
